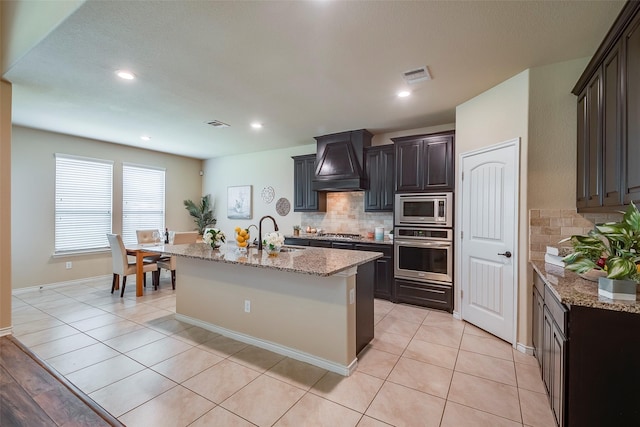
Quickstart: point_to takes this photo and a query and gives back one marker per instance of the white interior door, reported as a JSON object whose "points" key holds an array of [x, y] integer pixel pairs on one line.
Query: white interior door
{"points": [[489, 238]]}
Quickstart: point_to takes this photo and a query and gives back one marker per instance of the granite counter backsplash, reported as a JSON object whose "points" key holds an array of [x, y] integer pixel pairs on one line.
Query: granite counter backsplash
{"points": [[571, 289]]}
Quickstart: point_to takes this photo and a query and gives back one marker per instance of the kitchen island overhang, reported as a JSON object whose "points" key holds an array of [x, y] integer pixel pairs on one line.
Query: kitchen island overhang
{"points": [[301, 304]]}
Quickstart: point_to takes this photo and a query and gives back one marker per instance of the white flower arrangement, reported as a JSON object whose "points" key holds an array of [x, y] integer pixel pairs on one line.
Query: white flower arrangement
{"points": [[274, 240], [214, 237]]}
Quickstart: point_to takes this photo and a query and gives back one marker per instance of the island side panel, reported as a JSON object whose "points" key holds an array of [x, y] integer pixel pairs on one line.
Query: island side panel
{"points": [[311, 314]]}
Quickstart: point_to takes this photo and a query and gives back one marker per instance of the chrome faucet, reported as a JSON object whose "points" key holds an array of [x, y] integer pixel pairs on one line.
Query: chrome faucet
{"points": [[275, 226]]}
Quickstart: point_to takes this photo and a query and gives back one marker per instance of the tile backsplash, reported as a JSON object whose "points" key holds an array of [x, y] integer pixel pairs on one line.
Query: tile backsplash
{"points": [[548, 226], [345, 214]]}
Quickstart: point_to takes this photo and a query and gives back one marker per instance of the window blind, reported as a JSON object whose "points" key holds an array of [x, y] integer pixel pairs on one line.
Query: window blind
{"points": [[143, 200], [84, 189]]}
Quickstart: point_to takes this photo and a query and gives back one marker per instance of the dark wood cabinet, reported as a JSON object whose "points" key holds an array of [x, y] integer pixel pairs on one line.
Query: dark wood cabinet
{"points": [[320, 243], [608, 134], [342, 245], [424, 162], [432, 295], [379, 168], [304, 198], [537, 335], [383, 284]]}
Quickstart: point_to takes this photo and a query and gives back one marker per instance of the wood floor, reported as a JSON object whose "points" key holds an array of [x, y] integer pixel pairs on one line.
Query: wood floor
{"points": [[32, 395]]}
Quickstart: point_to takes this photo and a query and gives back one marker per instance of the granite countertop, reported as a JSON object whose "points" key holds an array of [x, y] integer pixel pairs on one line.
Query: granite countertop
{"points": [[314, 236], [304, 260], [571, 289]]}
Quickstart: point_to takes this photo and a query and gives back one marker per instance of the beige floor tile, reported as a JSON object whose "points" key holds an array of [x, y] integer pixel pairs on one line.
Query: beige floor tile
{"points": [[28, 314], [422, 376], [169, 326], [256, 358], [159, 315], [76, 314], [443, 319], [529, 378], [488, 346], [402, 406], [139, 310], [381, 306], [408, 313], [377, 318], [133, 340], [485, 395], [176, 407], [113, 330], [195, 335], [96, 322], [355, 391], [443, 336], [391, 343], [102, 374], [81, 358], [296, 373], [166, 303], [456, 415], [525, 359], [366, 421], [375, 362], [62, 345], [221, 380], [396, 326], [35, 326], [491, 368], [185, 365], [474, 330], [263, 401], [122, 396], [223, 346], [313, 410], [116, 306], [47, 335], [158, 351], [435, 354], [219, 416], [62, 301], [536, 411]]}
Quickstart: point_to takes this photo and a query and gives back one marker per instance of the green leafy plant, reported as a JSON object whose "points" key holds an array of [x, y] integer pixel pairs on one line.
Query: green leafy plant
{"points": [[613, 247], [202, 213]]}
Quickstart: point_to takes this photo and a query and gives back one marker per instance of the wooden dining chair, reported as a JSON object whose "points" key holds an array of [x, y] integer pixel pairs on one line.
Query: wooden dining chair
{"points": [[169, 263], [122, 266]]}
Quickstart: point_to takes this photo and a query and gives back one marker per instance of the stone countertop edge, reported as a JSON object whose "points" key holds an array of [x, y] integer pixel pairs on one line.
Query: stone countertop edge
{"points": [[312, 236], [306, 260], [573, 290]]}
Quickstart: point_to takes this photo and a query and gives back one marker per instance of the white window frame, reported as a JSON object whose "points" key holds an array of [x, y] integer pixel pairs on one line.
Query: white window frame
{"points": [[143, 200], [83, 204]]}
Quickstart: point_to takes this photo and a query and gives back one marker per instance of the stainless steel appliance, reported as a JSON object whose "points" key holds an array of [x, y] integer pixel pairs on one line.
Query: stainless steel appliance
{"points": [[424, 254], [426, 210]]}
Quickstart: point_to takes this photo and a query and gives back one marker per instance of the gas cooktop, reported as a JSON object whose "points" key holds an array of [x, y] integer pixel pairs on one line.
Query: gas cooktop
{"points": [[341, 236]]}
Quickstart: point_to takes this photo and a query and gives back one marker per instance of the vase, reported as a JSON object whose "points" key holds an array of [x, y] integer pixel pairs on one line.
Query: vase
{"points": [[617, 289], [272, 250]]}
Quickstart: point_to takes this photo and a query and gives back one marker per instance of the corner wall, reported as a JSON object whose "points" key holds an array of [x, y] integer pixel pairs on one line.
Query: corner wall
{"points": [[5, 207]]}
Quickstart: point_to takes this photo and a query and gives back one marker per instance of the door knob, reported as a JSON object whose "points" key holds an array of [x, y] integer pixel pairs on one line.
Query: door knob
{"points": [[506, 254]]}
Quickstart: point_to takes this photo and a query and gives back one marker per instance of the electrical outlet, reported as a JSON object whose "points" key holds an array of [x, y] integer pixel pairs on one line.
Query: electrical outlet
{"points": [[247, 306], [69, 265]]}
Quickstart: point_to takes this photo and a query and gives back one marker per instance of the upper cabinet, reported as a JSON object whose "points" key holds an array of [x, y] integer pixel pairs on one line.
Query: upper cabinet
{"points": [[304, 198], [424, 162], [379, 167], [608, 134]]}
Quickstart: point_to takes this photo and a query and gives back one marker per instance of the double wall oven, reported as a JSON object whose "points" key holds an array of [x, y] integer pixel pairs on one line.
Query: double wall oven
{"points": [[423, 249]]}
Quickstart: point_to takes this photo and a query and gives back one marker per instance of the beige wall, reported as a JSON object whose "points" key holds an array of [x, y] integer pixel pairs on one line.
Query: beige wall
{"points": [[495, 116], [5, 206], [33, 201], [552, 135]]}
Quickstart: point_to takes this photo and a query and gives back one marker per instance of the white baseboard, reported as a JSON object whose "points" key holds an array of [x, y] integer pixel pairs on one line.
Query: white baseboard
{"points": [[345, 370], [524, 349], [457, 315], [61, 284], [6, 331]]}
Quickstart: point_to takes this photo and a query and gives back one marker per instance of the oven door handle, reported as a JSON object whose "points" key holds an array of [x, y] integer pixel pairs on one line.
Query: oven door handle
{"points": [[423, 244]]}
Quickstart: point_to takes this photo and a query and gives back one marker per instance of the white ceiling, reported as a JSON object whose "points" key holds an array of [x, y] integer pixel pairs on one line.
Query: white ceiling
{"points": [[302, 68]]}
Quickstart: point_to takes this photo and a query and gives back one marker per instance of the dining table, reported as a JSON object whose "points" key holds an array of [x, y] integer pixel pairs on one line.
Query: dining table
{"points": [[140, 251]]}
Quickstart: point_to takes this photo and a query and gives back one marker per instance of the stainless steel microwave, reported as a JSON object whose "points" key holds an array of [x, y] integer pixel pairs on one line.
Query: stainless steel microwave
{"points": [[433, 210]]}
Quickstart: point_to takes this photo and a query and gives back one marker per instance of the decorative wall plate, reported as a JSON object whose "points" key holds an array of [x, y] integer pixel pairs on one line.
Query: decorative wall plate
{"points": [[267, 194], [283, 206]]}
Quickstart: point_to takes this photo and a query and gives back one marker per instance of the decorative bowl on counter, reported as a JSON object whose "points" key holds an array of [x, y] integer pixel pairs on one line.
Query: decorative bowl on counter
{"points": [[593, 275]]}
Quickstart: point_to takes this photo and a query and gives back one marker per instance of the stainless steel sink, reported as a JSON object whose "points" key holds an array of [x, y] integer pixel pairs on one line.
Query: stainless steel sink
{"points": [[292, 248]]}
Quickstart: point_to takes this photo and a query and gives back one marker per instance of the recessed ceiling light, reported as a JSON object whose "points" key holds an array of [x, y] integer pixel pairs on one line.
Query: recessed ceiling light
{"points": [[145, 138], [125, 75], [403, 94], [256, 125]]}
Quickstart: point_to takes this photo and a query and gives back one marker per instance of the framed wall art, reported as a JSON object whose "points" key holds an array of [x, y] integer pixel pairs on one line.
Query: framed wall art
{"points": [[239, 202]]}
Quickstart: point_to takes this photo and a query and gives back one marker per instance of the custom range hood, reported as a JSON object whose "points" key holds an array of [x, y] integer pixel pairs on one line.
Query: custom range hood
{"points": [[339, 161]]}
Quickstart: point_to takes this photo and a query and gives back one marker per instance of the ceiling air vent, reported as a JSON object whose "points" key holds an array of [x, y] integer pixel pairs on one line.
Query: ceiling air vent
{"points": [[217, 124], [418, 75]]}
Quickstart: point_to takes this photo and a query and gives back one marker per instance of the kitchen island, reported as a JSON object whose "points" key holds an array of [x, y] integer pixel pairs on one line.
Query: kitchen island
{"points": [[301, 303]]}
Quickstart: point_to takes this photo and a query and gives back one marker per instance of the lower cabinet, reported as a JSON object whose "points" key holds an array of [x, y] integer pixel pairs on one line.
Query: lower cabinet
{"points": [[432, 295]]}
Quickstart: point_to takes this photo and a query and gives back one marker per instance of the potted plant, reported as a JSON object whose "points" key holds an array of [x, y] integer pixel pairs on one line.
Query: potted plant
{"points": [[614, 248], [202, 213]]}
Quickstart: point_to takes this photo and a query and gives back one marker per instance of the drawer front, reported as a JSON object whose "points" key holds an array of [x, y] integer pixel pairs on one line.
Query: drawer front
{"points": [[425, 294], [538, 283], [387, 250], [558, 311], [296, 242]]}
